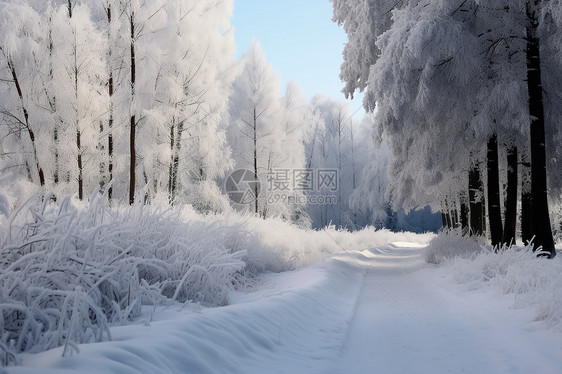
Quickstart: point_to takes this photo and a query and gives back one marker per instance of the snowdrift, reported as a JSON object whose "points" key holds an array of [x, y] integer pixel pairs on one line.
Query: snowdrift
{"points": [[533, 281]]}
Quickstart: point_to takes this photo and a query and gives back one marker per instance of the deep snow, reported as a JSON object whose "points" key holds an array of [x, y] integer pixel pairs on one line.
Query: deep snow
{"points": [[381, 309]]}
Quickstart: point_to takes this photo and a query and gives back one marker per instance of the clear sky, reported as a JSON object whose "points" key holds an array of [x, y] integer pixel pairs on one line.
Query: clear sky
{"points": [[300, 41]]}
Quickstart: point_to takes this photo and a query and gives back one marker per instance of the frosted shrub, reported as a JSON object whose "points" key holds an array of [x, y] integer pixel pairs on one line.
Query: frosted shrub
{"points": [[452, 243], [534, 281], [68, 272], [276, 245], [205, 197]]}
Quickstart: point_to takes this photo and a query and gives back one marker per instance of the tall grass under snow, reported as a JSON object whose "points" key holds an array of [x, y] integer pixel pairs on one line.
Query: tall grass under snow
{"points": [[68, 272], [534, 281]]}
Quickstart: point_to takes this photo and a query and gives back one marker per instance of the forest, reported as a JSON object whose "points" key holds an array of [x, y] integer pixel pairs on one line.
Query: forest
{"points": [[464, 90], [143, 165], [145, 101]]}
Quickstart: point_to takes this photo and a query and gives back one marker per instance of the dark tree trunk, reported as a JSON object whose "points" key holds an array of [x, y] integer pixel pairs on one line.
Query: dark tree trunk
{"points": [[132, 164], [540, 216], [52, 104], [171, 177], [475, 193], [494, 209], [77, 120], [444, 219], [25, 121], [132, 150], [511, 197], [80, 167], [175, 162], [464, 214], [256, 186], [526, 207], [56, 145], [111, 90]]}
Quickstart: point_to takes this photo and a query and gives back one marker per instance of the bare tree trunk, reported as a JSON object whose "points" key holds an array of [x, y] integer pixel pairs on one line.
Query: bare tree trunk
{"points": [[132, 149], [171, 176], [25, 121], [511, 198], [542, 230], [52, 104], [494, 209], [256, 185], [111, 91], [77, 119]]}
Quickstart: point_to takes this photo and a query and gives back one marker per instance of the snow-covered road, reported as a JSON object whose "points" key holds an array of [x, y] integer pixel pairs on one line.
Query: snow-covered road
{"points": [[410, 319], [380, 310]]}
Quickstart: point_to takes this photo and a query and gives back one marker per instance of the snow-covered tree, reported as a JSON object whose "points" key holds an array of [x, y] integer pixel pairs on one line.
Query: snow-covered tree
{"points": [[80, 95], [20, 37], [255, 131], [444, 67], [89, 105]]}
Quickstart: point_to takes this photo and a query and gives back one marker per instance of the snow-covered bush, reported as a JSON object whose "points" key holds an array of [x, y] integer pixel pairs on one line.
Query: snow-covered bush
{"points": [[67, 272], [205, 197], [535, 281], [452, 243]]}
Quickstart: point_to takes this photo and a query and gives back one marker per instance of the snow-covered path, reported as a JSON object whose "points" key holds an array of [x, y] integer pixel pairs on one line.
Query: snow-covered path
{"points": [[379, 310], [409, 319]]}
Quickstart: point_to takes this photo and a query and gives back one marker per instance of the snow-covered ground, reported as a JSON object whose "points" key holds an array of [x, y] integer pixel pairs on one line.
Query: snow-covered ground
{"points": [[382, 309]]}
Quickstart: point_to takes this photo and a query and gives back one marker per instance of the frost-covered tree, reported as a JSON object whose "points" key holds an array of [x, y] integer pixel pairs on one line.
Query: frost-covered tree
{"points": [[192, 87], [80, 94], [444, 67], [20, 37], [132, 92], [336, 143], [255, 131], [334, 146]]}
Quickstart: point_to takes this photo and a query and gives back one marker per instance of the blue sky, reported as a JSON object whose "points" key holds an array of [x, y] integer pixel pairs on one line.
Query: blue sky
{"points": [[300, 41]]}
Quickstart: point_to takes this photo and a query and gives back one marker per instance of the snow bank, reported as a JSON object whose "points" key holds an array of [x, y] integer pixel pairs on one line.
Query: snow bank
{"points": [[534, 281], [452, 243], [277, 327]]}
